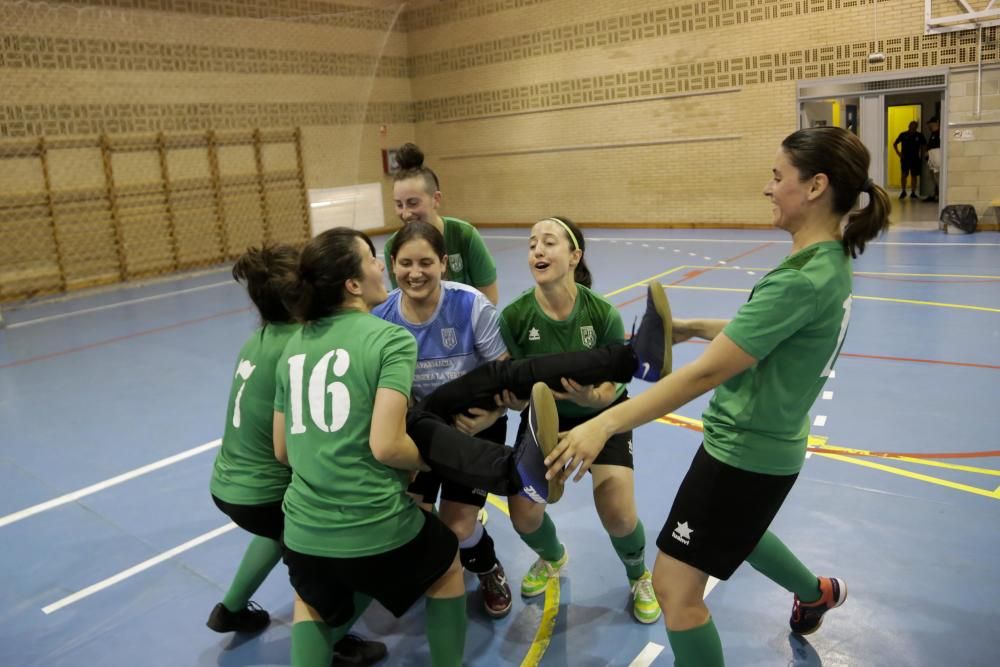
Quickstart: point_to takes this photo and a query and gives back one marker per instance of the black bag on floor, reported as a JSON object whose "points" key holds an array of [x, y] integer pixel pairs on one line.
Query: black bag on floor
{"points": [[962, 216]]}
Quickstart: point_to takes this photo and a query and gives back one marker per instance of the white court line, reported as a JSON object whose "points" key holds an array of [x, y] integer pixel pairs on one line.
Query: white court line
{"points": [[109, 306], [100, 486], [136, 569], [820, 420], [614, 239], [647, 655]]}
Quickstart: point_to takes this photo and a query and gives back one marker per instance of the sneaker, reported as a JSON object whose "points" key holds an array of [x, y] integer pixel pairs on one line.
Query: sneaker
{"points": [[806, 618], [913, 195], [902, 195], [250, 619], [653, 342], [540, 573], [539, 439], [497, 598], [645, 608], [353, 651]]}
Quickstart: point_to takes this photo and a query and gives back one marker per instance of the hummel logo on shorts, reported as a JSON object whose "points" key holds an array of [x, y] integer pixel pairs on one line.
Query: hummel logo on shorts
{"points": [[682, 533]]}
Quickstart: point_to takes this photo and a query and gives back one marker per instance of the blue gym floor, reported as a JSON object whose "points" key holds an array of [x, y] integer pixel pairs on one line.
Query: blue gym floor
{"points": [[100, 385]]}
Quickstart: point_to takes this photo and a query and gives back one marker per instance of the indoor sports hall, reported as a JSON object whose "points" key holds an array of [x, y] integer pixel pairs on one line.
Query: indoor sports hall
{"points": [[146, 144]]}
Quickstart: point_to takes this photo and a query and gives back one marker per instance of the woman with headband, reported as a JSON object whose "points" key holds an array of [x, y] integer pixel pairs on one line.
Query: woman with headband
{"points": [[562, 314]]}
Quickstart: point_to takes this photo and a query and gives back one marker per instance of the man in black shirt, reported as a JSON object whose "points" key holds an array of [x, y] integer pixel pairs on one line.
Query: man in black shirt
{"points": [[912, 142]]}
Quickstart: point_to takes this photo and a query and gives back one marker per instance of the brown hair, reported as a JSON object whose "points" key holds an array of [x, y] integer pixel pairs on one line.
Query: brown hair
{"points": [[263, 271], [411, 165]]}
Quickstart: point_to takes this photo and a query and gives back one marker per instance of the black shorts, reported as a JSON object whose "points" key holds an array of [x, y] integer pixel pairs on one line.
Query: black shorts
{"points": [[912, 166], [396, 578], [427, 484], [720, 513], [264, 520], [617, 451]]}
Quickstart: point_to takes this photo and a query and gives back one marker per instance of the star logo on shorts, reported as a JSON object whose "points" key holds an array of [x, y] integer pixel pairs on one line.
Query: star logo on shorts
{"points": [[682, 533]]}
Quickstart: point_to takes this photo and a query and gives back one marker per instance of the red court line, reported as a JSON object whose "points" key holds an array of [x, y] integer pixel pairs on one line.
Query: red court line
{"points": [[117, 339], [694, 273], [920, 361], [884, 455], [944, 281]]}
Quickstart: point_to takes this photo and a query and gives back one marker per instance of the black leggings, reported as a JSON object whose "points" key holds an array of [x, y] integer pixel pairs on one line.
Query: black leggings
{"points": [[479, 463]]}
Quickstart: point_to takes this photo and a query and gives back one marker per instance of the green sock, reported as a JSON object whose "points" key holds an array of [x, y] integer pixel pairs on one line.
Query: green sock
{"points": [[774, 560], [631, 549], [446, 622], [544, 541], [361, 603], [312, 644], [697, 647], [260, 558]]}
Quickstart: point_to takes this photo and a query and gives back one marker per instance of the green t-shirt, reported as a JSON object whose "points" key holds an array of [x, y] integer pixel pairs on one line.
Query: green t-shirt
{"points": [[245, 471], [341, 502], [529, 332], [794, 325], [469, 262]]}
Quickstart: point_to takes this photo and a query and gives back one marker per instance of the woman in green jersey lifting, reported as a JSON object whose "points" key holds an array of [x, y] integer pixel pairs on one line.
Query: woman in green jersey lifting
{"points": [[417, 193], [248, 483], [562, 314], [351, 533], [767, 365]]}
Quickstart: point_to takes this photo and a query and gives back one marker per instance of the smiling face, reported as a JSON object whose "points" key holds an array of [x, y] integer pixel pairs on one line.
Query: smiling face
{"points": [[418, 269], [413, 202], [789, 195], [551, 256]]}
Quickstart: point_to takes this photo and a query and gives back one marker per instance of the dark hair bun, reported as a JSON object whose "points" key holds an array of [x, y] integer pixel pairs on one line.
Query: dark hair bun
{"points": [[410, 157]]}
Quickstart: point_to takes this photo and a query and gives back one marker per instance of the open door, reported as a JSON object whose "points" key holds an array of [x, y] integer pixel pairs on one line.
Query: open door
{"points": [[898, 119]]}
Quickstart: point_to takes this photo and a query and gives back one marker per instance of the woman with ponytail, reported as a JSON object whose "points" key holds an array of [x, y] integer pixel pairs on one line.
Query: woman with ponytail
{"points": [[767, 366], [417, 193], [248, 482]]}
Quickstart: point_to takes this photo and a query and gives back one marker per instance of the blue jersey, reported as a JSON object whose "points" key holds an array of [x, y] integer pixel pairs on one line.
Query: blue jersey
{"points": [[463, 333]]}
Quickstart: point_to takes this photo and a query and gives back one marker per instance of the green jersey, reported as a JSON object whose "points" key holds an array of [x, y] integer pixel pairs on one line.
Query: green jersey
{"points": [[246, 472], [794, 325], [469, 262], [529, 332], [341, 502]]}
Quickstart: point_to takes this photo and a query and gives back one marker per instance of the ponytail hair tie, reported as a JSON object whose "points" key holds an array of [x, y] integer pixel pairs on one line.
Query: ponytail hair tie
{"points": [[867, 185]]}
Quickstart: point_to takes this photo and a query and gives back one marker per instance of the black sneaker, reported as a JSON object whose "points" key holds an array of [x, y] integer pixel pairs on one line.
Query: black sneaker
{"points": [[353, 651], [251, 619], [902, 195], [913, 195], [653, 342], [806, 618], [540, 437]]}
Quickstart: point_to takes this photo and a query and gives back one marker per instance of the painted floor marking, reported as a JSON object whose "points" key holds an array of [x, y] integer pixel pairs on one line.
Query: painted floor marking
{"points": [[136, 569], [108, 483]]}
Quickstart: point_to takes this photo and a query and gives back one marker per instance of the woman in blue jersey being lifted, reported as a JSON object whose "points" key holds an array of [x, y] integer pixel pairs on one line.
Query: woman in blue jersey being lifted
{"points": [[457, 329]]}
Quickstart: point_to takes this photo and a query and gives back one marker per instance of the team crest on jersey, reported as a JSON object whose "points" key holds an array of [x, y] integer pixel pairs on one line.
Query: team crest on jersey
{"points": [[588, 336], [448, 338], [455, 263]]}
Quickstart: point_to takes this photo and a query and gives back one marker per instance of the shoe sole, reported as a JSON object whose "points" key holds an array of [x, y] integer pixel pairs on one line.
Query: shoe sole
{"points": [[662, 306], [547, 433], [645, 621], [842, 600], [500, 614]]}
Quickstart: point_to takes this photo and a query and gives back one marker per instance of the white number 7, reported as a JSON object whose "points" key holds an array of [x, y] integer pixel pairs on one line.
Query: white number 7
{"points": [[243, 371], [840, 339]]}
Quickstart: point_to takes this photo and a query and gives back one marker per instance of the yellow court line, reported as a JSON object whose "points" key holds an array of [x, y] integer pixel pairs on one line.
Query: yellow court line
{"points": [[645, 280], [908, 459], [913, 475], [929, 303], [816, 441], [549, 612], [857, 273]]}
